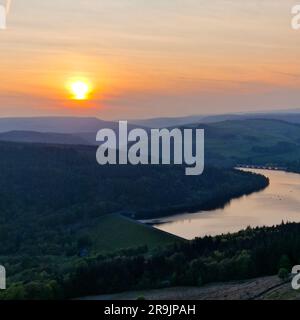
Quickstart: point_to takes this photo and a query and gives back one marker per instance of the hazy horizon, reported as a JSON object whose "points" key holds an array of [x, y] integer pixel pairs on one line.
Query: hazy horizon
{"points": [[164, 58], [263, 112]]}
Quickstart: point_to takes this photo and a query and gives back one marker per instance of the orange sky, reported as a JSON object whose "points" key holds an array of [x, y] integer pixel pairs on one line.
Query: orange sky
{"points": [[149, 58]]}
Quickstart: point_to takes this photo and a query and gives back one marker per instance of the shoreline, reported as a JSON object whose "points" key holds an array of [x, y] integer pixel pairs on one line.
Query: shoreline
{"points": [[277, 178], [157, 220], [209, 205]]}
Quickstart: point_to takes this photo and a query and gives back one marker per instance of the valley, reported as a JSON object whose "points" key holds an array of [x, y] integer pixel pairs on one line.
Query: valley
{"points": [[68, 221]]}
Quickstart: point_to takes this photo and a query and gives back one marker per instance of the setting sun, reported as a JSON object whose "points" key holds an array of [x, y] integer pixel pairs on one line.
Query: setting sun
{"points": [[80, 90]]}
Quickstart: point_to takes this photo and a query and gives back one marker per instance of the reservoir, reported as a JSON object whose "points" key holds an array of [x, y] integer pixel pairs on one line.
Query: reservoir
{"points": [[280, 201]]}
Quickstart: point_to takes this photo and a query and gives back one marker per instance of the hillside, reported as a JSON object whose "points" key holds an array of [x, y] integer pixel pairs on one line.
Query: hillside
{"points": [[54, 124], [57, 205], [257, 141], [292, 116], [42, 137], [232, 266], [227, 143], [263, 288], [48, 192], [115, 232]]}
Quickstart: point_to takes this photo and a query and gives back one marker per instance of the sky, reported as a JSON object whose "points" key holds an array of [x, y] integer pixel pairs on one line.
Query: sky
{"points": [[147, 58]]}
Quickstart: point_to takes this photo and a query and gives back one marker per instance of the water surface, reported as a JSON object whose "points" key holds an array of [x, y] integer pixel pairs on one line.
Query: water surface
{"points": [[278, 202]]}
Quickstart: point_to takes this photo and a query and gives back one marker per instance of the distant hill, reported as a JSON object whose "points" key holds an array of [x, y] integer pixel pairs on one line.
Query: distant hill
{"points": [[167, 121], [257, 141], [179, 121], [42, 137], [288, 117], [90, 125], [55, 124], [249, 141], [227, 143], [55, 130]]}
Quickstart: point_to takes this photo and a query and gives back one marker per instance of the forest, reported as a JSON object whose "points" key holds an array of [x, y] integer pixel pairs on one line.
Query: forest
{"points": [[247, 254], [47, 193], [53, 199]]}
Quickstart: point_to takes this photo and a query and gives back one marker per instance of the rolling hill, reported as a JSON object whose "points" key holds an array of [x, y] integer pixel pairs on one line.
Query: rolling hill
{"points": [[257, 141], [42, 137], [231, 142], [54, 124], [291, 116]]}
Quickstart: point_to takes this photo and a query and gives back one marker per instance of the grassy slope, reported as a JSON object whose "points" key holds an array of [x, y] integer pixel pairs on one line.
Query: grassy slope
{"points": [[109, 234], [115, 232]]}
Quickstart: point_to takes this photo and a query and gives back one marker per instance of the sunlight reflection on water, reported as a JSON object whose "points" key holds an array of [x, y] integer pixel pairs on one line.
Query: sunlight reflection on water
{"points": [[278, 202]]}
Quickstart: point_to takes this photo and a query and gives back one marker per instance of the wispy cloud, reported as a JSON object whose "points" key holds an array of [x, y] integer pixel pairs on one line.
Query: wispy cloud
{"points": [[146, 57]]}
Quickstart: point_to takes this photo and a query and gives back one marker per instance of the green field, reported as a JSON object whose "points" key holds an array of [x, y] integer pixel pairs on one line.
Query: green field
{"points": [[114, 232]]}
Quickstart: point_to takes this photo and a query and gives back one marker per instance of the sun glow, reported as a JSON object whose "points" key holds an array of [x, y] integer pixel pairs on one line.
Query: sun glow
{"points": [[80, 90]]}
